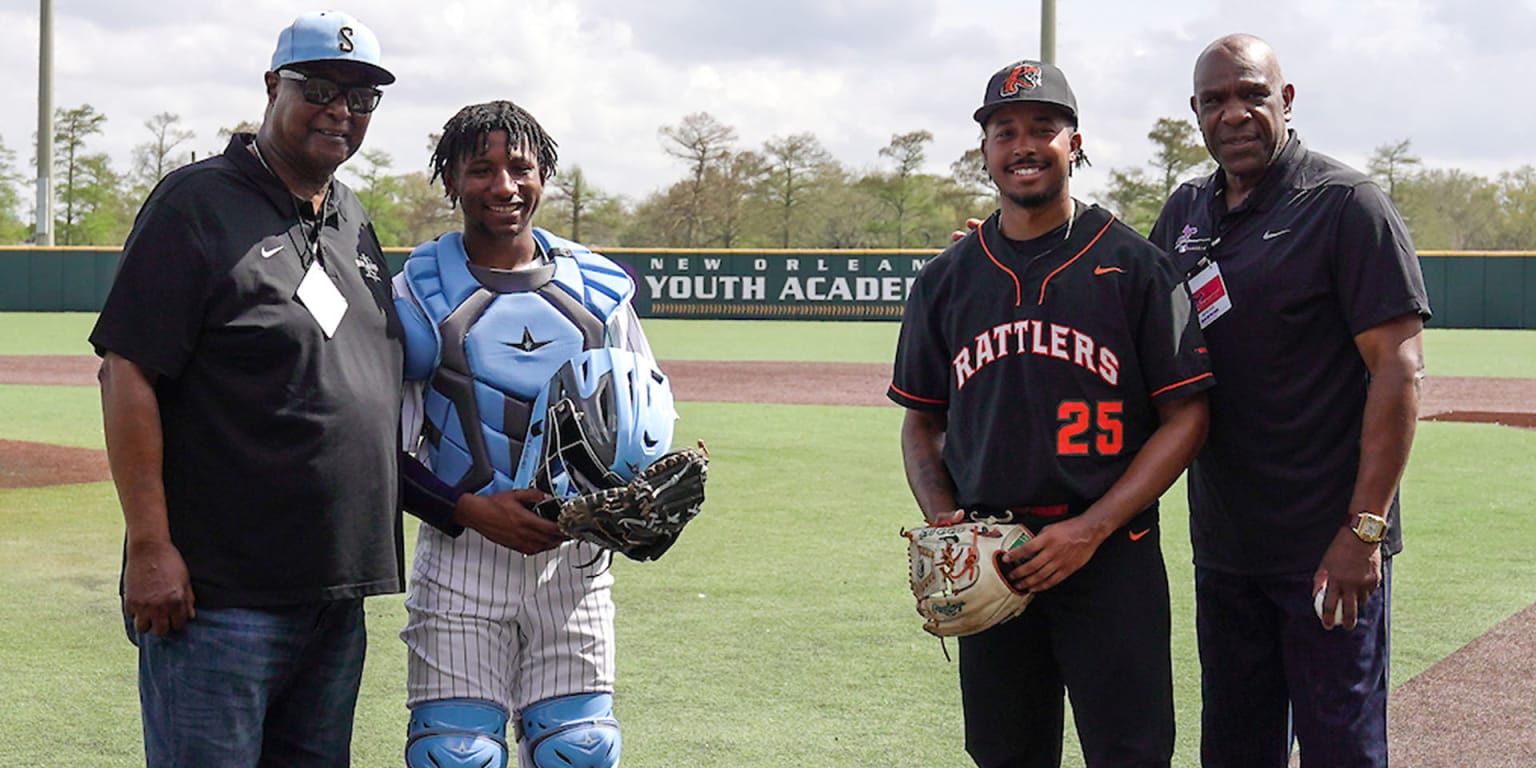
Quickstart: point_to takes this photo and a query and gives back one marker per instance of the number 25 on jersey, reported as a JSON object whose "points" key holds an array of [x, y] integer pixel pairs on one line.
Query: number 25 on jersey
{"points": [[1089, 428]]}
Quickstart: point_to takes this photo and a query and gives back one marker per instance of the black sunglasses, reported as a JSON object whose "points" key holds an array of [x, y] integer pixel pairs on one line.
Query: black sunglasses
{"points": [[361, 99]]}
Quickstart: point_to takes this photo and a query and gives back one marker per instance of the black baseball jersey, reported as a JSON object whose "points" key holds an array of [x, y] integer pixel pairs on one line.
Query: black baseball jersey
{"points": [[1049, 365], [1314, 256]]}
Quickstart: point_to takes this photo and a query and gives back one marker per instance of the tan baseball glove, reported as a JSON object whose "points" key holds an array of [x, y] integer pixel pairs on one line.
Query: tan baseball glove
{"points": [[957, 579]]}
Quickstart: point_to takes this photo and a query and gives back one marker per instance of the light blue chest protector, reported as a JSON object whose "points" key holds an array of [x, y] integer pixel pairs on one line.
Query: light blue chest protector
{"points": [[488, 341]]}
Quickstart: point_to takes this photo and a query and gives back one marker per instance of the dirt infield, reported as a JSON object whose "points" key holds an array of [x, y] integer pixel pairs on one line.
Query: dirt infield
{"points": [[59, 370], [1446, 398], [1473, 709], [29, 465], [1511, 402]]}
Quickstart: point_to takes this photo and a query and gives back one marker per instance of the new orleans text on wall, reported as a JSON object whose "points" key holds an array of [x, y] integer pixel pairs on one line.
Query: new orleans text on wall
{"points": [[782, 280]]}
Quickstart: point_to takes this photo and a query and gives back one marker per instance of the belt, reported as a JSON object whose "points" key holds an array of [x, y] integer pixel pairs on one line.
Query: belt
{"points": [[1012, 514], [1049, 510]]}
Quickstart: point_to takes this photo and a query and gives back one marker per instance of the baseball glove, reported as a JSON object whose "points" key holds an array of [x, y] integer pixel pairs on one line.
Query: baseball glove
{"points": [[643, 518], [957, 579]]}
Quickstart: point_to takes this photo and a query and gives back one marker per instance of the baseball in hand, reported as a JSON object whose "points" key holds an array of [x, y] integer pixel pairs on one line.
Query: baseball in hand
{"points": [[1317, 606]]}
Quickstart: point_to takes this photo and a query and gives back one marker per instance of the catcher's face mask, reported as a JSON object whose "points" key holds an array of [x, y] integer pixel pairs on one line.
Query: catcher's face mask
{"points": [[608, 413]]}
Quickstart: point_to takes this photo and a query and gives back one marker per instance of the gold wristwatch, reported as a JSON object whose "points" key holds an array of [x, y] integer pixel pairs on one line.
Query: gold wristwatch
{"points": [[1370, 528]]}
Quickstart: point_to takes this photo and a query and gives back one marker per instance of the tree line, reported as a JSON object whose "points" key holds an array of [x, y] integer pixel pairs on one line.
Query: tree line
{"points": [[790, 192], [1446, 209]]}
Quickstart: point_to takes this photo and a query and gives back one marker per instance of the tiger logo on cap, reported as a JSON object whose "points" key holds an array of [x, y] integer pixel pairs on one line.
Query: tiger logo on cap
{"points": [[1024, 76]]}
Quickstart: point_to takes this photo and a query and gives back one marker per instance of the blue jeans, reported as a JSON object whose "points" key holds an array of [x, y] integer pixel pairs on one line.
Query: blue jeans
{"points": [[1270, 672], [253, 688]]}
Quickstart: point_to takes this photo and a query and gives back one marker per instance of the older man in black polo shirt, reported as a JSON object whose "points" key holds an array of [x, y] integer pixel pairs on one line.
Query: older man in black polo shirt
{"points": [[1312, 302], [250, 374]]}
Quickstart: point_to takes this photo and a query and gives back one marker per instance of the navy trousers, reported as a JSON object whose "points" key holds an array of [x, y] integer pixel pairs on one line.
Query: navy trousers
{"points": [[1269, 671]]}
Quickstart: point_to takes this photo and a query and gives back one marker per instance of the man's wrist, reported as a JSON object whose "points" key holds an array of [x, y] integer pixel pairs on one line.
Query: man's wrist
{"points": [[1367, 526], [147, 534], [145, 543], [463, 509]]}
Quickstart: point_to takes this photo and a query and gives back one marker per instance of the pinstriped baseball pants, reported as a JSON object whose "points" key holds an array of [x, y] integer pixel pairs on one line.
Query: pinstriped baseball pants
{"points": [[487, 622]]}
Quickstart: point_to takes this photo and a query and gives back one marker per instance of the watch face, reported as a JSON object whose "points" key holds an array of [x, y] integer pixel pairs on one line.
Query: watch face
{"points": [[1370, 528]]}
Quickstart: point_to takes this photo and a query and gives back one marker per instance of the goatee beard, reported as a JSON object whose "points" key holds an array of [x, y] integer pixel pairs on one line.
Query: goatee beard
{"points": [[1034, 201], [1038, 200]]}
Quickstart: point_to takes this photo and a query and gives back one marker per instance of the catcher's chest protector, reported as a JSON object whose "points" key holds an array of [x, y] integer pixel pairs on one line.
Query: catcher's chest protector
{"points": [[488, 350]]}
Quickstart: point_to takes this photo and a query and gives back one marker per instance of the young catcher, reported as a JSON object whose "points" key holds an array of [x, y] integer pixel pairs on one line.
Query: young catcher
{"points": [[513, 619]]}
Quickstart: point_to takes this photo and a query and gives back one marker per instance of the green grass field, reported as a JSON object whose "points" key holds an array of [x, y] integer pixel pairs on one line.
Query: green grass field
{"points": [[779, 631]]}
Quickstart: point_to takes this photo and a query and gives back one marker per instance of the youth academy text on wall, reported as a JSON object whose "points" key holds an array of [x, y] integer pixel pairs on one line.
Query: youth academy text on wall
{"points": [[845, 285]]}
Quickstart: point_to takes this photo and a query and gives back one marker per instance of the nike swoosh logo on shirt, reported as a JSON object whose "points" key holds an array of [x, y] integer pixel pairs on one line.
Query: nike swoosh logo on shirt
{"points": [[1268, 235], [1136, 535], [1106, 270], [267, 253]]}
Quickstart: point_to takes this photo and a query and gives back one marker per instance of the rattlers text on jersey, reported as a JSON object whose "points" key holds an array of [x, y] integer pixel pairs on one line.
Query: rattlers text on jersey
{"points": [[1048, 358]]}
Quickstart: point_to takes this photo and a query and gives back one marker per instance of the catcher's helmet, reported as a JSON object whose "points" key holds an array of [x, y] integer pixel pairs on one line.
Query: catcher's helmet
{"points": [[604, 416]]}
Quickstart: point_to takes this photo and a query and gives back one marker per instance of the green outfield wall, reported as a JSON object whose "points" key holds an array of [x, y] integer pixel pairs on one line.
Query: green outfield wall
{"points": [[1467, 289], [802, 285]]}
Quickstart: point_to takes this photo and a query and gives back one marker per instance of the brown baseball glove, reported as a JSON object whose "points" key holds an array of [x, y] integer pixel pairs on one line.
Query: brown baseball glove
{"points": [[957, 579], [643, 518]]}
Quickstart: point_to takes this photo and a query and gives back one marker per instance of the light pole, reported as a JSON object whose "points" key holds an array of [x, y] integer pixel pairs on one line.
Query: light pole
{"points": [[44, 230], [1048, 31]]}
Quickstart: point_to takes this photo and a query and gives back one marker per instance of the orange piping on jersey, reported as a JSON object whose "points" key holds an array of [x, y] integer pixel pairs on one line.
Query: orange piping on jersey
{"points": [[1079, 254], [1178, 384], [899, 391], [1018, 293]]}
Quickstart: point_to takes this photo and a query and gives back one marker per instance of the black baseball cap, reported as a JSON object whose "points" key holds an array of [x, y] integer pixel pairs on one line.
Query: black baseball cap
{"points": [[1023, 81]]}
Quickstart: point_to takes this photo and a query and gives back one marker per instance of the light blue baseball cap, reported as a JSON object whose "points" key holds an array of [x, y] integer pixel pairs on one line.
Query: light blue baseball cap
{"points": [[329, 36]]}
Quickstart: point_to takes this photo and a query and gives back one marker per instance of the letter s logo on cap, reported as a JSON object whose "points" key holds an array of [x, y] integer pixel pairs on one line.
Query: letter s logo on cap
{"points": [[344, 40]]}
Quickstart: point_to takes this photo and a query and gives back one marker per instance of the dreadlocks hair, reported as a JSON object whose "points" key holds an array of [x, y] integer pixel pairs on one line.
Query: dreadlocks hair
{"points": [[1079, 159], [468, 133]]}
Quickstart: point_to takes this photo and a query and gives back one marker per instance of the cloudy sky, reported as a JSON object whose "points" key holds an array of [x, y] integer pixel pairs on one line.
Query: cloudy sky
{"points": [[603, 75]]}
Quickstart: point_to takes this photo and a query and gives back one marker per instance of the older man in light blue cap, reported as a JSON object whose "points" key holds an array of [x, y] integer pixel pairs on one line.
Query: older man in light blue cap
{"points": [[332, 61], [251, 370]]}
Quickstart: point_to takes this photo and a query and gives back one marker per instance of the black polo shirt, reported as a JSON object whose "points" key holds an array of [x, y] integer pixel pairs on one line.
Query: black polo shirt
{"points": [[1048, 358], [1314, 256], [280, 443]]}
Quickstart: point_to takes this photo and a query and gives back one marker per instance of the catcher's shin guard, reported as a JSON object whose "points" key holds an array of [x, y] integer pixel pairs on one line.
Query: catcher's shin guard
{"points": [[576, 731], [457, 733]]}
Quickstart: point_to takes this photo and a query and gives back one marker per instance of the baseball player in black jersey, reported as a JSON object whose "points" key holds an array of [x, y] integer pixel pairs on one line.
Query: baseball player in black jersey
{"points": [[1053, 376]]}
